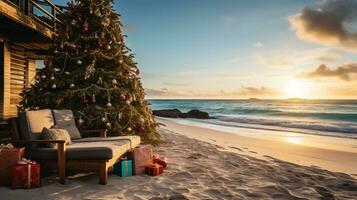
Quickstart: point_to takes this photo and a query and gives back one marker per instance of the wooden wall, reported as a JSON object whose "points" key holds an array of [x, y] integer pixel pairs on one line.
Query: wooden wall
{"points": [[17, 72]]}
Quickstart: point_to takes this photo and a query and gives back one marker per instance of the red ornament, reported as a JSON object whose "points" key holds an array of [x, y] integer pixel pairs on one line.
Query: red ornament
{"points": [[84, 101], [122, 96], [79, 19], [137, 72], [126, 72], [85, 28], [100, 44], [141, 128]]}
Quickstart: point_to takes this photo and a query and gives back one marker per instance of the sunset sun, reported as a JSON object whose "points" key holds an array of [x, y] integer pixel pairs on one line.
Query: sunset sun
{"points": [[296, 89]]}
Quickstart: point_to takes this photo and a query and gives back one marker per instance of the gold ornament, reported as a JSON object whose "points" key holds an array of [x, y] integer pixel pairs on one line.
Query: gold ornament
{"points": [[129, 129]]}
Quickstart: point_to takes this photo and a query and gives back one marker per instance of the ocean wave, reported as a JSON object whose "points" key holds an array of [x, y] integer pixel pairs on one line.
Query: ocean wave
{"points": [[343, 127]]}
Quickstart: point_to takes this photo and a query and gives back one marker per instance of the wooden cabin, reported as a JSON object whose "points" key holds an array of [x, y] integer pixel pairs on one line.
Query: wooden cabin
{"points": [[26, 29]]}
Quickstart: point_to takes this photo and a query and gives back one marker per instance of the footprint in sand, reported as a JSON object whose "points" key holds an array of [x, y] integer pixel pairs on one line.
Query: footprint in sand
{"points": [[212, 140], [236, 148]]}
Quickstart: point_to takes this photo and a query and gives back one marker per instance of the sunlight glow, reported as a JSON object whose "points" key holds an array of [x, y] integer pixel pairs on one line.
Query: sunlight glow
{"points": [[294, 140], [297, 89]]}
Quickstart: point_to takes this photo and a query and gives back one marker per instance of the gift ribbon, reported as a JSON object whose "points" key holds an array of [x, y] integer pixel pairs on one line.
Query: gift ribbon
{"points": [[126, 168], [28, 176]]}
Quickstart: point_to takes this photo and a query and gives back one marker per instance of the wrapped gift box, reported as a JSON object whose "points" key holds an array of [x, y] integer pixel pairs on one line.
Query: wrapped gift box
{"points": [[9, 157], [124, 168], [159, 160], [141, 157], [25, 176], [154, 170]]}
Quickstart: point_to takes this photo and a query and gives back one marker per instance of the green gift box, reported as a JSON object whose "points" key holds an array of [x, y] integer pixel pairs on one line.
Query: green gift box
{"points": [[124, 168]]}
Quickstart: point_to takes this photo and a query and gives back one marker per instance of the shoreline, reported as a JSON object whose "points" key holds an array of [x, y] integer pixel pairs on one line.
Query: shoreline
{"points": [[320, 151]]}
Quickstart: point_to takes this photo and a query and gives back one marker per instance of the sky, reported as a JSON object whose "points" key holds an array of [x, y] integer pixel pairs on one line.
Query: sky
{"points": [[236, 49]]}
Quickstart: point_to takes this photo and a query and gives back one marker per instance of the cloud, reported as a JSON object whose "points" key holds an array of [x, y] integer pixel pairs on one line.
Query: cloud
{"points": [[343, 72], [330, 23], [176, 84], [258, 45], [242, 92], [227, 20], [295, 58]]}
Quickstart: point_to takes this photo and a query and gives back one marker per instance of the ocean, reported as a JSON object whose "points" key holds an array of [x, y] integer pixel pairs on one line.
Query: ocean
{"points": [[321, 117]]}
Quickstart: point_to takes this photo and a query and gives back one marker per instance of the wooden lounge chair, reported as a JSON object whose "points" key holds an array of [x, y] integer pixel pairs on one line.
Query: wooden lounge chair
{"points": [[95, 153]]}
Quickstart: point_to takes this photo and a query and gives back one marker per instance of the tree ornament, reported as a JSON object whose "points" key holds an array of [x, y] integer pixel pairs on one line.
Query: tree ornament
{"points": [[79, 62], [108, 125], [54, 86], [122, 97], [94, 100], [55, 51], [71, 85], [100, 44], [103, 119], [109, 104], [73, 22], [52, 78], [121, 61], [137, 72], [127, 72], [114, 81], [90, 70], [141, 128], [100, 81], [85, 27], [127, 102], [67, 73], [129, 129], [142, 120], [43, 76], [80, 121], [84, 101], [119, 116], [108, 47], [97, 12]]}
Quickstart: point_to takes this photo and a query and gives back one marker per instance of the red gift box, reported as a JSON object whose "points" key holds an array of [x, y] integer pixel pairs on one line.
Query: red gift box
{"points": [[9, 157], [159, 160], [26, 176], [142, 157], [154, 170]]}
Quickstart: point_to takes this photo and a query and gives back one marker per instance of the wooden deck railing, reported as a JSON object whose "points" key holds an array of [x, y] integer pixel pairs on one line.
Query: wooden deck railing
{"points": [[44, 11]]}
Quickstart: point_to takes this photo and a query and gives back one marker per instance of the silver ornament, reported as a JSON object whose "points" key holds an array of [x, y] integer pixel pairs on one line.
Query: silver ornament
{"points": [[109, 47], [54, 86], [108, 125], [67, 73], [43, 76], [114, 81], [103, 119], [121, 61], [71, 85], [128, 102], [79, 62], [80, 121], [109, 104]]}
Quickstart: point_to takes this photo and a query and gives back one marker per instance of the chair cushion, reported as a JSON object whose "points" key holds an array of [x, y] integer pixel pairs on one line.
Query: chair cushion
{"points": [[134, 140], [32, 123], [64, 119], [55, 134], [84, 151]]}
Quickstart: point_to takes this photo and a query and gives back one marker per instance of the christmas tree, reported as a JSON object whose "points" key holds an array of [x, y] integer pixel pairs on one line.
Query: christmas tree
{"points": [[91, 71]]}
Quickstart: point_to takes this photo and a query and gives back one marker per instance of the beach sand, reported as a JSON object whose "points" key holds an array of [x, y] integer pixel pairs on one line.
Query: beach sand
{"points": [[205, 170]]}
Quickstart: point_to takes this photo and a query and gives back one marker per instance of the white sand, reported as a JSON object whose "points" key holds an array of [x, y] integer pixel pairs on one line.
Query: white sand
{"points": [[200, 170]]}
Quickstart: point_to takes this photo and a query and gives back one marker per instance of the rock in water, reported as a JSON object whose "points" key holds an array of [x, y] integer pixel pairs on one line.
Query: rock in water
{"points": [[197, 114], [170, 113]]}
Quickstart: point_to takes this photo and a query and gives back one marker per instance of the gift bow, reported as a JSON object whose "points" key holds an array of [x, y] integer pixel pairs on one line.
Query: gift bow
{"points": [[7, 146]]}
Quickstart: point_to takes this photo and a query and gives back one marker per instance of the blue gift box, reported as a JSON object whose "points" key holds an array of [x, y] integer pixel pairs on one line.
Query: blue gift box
{"points": [[124, 168]]}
